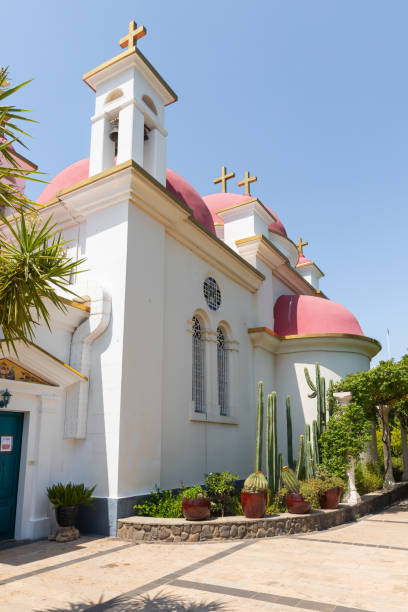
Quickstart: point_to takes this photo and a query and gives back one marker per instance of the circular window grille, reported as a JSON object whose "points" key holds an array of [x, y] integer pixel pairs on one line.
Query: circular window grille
{"points": [[212, 293]]}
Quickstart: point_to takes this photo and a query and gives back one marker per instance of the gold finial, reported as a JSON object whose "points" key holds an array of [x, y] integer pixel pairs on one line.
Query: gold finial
{"points": [[133, 36], [246, 181], [300, 246], [224, 178]]}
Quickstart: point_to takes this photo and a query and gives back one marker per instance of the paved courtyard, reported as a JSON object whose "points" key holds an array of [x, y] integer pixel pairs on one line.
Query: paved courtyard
{"points": [[359, 566]]}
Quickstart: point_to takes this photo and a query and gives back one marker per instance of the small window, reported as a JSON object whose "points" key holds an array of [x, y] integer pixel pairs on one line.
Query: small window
{"points": [[113, 95], [150, 104], [198, 386], [222, 371], [212, 293]]}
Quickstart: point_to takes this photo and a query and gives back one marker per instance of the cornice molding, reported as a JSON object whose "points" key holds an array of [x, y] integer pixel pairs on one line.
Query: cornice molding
{"points": [[263, 337]]}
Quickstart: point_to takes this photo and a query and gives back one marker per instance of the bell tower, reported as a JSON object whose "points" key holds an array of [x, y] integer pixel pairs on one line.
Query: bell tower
{"points": [[130, 100]]}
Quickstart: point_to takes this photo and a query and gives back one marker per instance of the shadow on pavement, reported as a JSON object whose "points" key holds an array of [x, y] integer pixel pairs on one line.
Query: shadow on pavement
{"points": [[161, 602]]}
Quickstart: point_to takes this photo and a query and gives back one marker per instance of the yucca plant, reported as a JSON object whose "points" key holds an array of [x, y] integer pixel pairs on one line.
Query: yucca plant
{"points": [[61, 495], [32, 266], [33, 260]]}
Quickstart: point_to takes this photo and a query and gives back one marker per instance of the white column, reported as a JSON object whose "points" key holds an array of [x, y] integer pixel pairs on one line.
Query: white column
{"points": [[131, 134], [102, 147], [154, 160]]}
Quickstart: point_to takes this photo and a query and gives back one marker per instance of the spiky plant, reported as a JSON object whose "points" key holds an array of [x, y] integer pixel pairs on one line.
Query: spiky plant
{"points": [[256, 483]]}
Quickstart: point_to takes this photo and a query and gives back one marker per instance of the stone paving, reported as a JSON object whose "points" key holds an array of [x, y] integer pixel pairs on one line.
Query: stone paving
{"points": [[360, 566]]}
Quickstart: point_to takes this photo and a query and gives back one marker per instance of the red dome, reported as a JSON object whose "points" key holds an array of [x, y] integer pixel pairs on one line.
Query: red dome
{"points": [[69, 176], [217, 201], [303, 260], [306, 314], [187, 194], [178, 186]]}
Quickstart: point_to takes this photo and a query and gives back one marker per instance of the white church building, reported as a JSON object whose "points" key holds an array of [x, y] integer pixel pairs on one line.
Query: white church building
{"points": [[187, 301]]}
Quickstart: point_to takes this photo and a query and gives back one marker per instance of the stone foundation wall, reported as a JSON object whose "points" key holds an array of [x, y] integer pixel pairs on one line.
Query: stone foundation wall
{"points": [[148, 529]]}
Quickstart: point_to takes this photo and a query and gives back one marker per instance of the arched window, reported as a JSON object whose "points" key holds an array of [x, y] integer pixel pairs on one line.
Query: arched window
{"points": [[222, 370], [198, 388]]}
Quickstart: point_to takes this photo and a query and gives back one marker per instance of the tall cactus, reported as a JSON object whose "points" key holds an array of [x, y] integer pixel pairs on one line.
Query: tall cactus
{"points": [[259, 428], [319, 392], [309, 460], [271, 443], [330, 398], [300, 465], [316, 457], [289, 432], [279, 471], [307, 433]]}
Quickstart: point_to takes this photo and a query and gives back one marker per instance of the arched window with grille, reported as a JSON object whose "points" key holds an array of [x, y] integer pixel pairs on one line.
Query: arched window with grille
{"points": [[222, 370], [198, 386]]}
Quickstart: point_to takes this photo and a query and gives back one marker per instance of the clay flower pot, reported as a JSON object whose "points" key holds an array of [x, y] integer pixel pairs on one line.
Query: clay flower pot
{"points": [[67, 516], [296, 503], [330, 499], [253, 504], [196, 509]]}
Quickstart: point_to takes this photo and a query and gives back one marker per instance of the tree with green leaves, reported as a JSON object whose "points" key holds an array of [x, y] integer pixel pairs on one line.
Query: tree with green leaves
{"points": [[33, 260], [376, 392], [343, 440]]}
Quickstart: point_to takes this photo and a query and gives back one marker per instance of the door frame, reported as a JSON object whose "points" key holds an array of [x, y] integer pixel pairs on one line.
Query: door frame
{"points": [[19, 435]]}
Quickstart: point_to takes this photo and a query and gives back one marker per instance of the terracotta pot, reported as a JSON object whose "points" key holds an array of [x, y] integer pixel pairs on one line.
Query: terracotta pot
{"points": [[296, 504], [329, 500], [253, 504], [196, 509], [67, 516]]}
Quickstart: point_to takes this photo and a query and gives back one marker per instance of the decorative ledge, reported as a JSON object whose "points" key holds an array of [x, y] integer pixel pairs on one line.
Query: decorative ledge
{"points": [[205, 417], [148, 529]]}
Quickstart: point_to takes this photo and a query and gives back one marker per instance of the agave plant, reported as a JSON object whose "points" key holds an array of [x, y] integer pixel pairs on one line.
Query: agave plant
{"points": [[61, 495]]}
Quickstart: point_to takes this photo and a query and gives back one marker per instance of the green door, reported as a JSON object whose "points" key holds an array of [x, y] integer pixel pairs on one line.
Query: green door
{"points": [[11, 427]]}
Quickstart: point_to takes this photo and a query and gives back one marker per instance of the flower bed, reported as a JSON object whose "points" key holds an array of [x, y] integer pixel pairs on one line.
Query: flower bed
{"points": [[148, 529]]}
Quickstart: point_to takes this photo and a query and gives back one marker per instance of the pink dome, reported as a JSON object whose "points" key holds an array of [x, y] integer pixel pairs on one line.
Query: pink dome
{"points": [[69, 176], [217, 201], [178, 186], [306, 314], [187, 194]]}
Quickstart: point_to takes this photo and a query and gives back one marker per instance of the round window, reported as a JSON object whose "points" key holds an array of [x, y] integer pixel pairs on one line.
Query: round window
{"points": [[212, 293]]}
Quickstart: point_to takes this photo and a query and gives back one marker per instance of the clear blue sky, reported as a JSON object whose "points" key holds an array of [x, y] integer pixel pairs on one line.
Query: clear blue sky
{"points": [[312, 96]]}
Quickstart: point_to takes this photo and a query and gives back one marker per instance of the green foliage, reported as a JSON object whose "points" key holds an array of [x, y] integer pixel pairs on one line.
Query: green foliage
{"points": [[309, 460], [11, 134], [221, 492], [310, 492], [368, 477], [289, 479], [289, 433], [33, 261], [319, 392], [31, 269], [256, 483], [384, 385], [272, 443], [277, 504], [61, 495], [346, 436], [316, 457], [259, 428], [167, 503], [300, 465]]}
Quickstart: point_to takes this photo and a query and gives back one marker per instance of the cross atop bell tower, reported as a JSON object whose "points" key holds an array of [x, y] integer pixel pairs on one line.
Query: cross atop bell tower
{"points": [[135, 33], [130, 101]]}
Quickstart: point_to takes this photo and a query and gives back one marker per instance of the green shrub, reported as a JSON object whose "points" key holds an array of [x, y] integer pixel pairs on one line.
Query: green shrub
{"points": [[222, 492], [310, 490], [70, 495], [368, 477], [167, 504], [397, 468], [277, 503]]}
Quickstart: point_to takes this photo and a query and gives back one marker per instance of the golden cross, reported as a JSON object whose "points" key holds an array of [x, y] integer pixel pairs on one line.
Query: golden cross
{"points": [[133, 36], [300, 246], [246, 181], [224, 178]]}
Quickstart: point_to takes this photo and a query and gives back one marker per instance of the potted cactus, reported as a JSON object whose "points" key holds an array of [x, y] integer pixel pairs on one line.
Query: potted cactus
{"points": [[254, 495], [295, 501], [195, 506]]}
